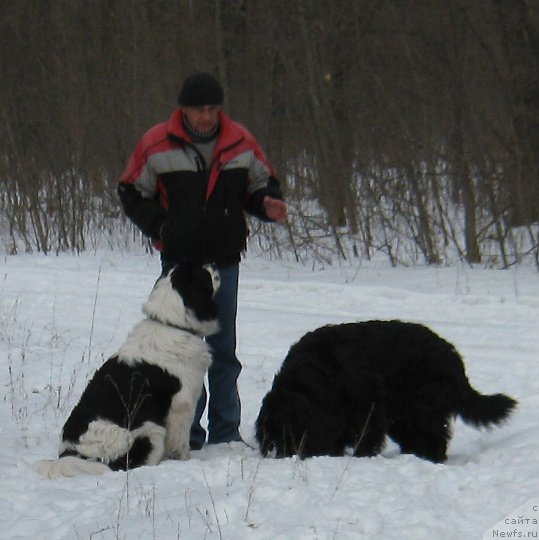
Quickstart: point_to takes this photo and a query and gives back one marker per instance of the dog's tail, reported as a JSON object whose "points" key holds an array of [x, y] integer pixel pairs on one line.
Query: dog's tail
{"points": [[69, 466], [485, 411]]}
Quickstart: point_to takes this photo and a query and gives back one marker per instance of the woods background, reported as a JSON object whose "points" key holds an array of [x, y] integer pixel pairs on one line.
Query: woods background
{"points": [[398, 127]]}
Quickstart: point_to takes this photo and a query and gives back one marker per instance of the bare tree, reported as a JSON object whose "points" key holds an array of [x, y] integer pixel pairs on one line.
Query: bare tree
{"points": [[410, 129]]}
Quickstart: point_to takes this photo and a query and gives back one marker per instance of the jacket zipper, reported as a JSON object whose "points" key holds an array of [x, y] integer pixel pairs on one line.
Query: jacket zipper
{"points": [[202, 168]]}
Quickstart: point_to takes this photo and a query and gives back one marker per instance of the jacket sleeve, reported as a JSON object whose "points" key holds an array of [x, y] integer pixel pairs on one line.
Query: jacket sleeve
{"points": [[139, 196], [262, 183], [255, 200]]}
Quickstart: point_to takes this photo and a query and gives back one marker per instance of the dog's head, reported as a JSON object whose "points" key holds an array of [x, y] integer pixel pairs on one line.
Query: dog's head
{"points": [[289, 423], [184, 297]]}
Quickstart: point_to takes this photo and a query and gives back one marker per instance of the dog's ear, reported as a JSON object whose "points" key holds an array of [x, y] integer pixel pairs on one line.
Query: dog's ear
{"points": [[180, 275], [202, 295], [203, 280], [194, 284]]}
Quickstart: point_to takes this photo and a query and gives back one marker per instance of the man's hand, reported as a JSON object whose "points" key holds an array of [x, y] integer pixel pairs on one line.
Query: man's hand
{"points": [[275, 209]]}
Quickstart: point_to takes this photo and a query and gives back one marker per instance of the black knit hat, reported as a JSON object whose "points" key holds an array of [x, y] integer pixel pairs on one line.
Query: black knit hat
{"points": [[201, 89]]}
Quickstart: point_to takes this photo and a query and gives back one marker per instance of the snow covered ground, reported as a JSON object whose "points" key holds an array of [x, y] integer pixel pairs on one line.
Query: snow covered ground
{"points": [[60, 317]]}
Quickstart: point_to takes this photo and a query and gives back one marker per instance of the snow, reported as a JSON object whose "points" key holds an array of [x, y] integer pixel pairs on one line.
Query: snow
{"points": [[61, 317]]}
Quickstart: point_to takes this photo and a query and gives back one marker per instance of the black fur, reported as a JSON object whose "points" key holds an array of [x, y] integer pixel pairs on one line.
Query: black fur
{"points": [[350, 385], [126, 395], [136, 457]]}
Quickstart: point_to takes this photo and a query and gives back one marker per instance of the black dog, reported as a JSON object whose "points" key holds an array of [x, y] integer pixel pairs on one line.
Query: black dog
{"points": [[350, 385]]}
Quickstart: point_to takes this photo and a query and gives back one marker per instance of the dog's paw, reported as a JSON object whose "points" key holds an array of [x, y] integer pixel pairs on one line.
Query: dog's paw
{"points": [[180, 455]]}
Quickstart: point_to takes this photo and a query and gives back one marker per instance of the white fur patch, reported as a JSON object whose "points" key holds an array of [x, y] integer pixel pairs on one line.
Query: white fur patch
{"points": [[166, 305], [215, 277], [107, 441], [182, 354], [102, 440]]}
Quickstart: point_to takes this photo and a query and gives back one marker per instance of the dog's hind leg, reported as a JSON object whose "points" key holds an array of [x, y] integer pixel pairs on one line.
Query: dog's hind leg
{"points": [[148, 448], [135, 457], [156, 434]]}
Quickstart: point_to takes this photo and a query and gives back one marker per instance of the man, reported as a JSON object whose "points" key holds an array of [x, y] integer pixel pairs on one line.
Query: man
{"points": [[187, 186]]}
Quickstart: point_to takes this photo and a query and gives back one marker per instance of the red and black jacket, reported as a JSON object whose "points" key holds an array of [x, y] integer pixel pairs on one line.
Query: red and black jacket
{"points": [[190, 211]]}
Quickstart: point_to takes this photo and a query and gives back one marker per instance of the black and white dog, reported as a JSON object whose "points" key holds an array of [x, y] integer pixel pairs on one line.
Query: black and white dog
{"points": [[350, 385], [139, 406]]}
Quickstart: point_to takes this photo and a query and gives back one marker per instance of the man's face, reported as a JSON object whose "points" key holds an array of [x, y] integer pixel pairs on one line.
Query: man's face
{"points": [[203, 118]]}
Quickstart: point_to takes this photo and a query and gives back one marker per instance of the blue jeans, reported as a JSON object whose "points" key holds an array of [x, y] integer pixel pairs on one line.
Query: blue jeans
{"points": [[224, 408]]}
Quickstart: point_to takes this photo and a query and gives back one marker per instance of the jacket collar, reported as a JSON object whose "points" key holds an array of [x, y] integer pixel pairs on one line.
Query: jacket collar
{"points": [[231, 136], [230, 133]]}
